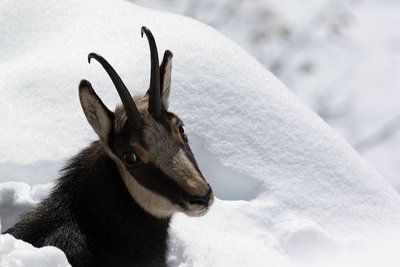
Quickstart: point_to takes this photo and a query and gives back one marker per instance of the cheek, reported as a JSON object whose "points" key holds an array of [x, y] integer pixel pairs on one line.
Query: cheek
{"points": [[156, 181], [153, 203]]}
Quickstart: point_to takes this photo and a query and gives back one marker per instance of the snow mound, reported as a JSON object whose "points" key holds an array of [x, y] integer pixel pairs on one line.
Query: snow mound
{"points": [[17, 198], [16, 253], [289, 186]]}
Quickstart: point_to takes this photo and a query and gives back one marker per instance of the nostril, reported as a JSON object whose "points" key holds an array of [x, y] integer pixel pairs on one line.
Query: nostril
{"points": [[200, 200], [197, 200]]}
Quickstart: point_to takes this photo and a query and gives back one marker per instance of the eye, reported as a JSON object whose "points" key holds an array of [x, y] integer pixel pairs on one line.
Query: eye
{"points": [[181, 130], [129, 157]]}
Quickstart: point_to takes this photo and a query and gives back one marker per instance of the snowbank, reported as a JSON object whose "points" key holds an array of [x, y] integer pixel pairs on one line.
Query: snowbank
{"points": [[14, 252], [17, 198], [290, 190]]}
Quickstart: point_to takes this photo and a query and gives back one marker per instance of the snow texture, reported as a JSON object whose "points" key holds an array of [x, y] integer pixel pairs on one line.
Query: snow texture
{"points": [[16, 253], [17, 198], [291, 191]]}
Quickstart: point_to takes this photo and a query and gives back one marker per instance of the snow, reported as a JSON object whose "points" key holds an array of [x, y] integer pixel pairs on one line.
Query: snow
{"points": [[290, 191], [376, 83], [17, 198], [16, 253]]}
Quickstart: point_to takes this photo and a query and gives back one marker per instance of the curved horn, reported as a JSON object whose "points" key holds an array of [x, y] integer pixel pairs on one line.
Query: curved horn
{"points": [[155, 89], [131, 110]]}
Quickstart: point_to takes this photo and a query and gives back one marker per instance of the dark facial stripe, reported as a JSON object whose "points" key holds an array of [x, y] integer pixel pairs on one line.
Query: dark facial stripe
{"points": [[152, 178]]}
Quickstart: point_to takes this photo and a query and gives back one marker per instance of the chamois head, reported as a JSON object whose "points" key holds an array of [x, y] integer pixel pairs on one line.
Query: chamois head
{"points": [[148, 143]]}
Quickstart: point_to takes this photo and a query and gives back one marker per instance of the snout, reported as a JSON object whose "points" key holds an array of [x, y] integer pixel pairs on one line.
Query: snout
{"points": [[198, 205], [201, 200]]}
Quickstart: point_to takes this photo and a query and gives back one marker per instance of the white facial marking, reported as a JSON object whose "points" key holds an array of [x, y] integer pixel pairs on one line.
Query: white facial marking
{"points": [[153, 203], [184, 170]]}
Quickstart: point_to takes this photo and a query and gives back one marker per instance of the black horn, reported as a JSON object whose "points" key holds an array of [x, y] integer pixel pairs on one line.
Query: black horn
{"points": [[131, 110], [155, 89]]}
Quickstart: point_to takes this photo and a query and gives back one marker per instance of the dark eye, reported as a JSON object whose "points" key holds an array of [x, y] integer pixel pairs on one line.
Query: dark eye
{"points": [[181, 130], [129, 157]]}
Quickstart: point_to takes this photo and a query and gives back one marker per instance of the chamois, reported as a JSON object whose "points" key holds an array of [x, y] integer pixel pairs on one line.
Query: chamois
{"points": [[113, 203]]}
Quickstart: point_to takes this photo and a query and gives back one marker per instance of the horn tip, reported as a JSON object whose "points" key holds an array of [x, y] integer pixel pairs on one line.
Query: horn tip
{"points": [[90, 56], [143, 29]]}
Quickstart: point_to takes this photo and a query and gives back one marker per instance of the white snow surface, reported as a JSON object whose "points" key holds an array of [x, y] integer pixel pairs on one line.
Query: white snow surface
{"points": [[290, 191], [16, 253]]}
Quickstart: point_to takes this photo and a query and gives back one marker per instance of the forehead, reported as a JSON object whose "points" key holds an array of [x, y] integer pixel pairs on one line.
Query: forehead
{"points": [[121, 125]]}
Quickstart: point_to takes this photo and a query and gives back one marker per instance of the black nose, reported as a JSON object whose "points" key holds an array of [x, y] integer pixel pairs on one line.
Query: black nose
{"points": [[200, 200]]}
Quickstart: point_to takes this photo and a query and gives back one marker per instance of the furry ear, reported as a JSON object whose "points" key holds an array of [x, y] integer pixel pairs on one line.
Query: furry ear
{"points": [[165, 76], [98, 115]]}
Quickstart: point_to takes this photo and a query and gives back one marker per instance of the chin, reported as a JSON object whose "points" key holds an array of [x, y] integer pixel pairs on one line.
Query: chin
{"points": [[197, 212]]}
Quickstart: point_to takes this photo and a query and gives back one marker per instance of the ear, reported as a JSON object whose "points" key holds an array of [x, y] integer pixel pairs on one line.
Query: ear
{"points": [[165, 77], [98, 115]]}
